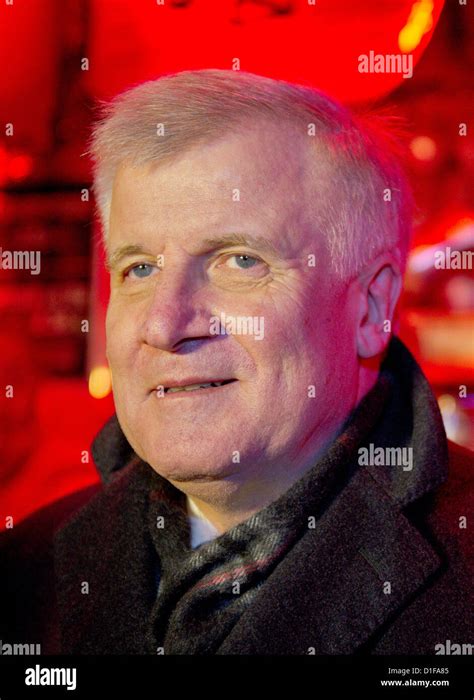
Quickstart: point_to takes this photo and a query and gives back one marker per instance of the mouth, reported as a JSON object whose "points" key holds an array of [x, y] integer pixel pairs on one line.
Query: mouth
{"points": [[198, 387]]}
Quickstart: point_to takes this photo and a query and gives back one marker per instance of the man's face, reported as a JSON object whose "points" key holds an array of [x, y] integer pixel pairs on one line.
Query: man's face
{"points": [[294, 386]]}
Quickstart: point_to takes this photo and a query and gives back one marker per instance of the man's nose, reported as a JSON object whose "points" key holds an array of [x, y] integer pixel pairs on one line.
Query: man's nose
{"points": [[177, 310]]}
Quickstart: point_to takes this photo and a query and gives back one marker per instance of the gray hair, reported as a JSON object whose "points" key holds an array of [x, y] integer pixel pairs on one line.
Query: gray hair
{"points": [[160, 119]]}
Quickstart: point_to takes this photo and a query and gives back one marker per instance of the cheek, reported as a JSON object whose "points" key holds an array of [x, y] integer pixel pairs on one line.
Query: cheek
{"points": [[322, 344], [111, 334], [120, 335]]}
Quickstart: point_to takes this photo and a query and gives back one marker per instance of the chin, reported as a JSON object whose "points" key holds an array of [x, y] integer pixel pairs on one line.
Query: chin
{"points": [[188, 464], [195, 473]]}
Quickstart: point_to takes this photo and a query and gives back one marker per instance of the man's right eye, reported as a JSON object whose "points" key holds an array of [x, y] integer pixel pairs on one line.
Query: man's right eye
{"points": [[139, 271]]}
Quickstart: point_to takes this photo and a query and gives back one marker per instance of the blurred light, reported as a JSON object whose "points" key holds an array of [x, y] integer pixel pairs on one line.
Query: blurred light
{"points": [[459, 292], [14, 166], [459, 235], [421, 258], [20, 166], [100, 382], [419, 23], [456, 421], [462, 231], [211, 33], [423, 148], [447, 404]]}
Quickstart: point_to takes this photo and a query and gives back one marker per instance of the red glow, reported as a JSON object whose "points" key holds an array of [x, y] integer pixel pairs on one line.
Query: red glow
{"points": [[20, 167], [315, 44]]}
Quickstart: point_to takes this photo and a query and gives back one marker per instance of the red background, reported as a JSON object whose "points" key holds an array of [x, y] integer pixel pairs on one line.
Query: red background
{"points": [[48, 92]]}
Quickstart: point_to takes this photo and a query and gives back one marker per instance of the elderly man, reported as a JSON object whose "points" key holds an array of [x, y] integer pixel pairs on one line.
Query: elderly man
{"points": [[275, 477]]}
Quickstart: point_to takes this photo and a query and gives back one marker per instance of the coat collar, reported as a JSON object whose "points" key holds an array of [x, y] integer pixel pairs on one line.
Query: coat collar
{"points": [[329, 595]]}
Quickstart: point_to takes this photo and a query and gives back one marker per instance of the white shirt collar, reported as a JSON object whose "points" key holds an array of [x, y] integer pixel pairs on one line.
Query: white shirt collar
{"points": [[202, 530]]}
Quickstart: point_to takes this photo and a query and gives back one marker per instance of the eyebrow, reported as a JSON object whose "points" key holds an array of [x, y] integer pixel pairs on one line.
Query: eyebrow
{"points": [[211, 244], [231, 239], [125, 251]]}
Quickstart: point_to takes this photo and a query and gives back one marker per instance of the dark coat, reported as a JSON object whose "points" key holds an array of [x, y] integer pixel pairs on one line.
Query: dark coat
{"points": [[329, 593]]}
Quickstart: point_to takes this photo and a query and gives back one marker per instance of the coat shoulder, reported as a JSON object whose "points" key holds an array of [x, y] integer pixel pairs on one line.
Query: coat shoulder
{"points": [[33, 536], [27, 586]]}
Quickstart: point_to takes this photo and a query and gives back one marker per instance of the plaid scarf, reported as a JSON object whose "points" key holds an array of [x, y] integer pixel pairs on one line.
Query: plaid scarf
{"points": [[203, 591]]}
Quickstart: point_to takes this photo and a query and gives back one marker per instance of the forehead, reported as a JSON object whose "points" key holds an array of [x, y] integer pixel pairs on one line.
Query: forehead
{"points": [[263, 176]]}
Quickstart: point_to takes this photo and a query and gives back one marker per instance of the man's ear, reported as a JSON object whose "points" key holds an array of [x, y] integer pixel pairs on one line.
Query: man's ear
{"points": [[379, 289]]}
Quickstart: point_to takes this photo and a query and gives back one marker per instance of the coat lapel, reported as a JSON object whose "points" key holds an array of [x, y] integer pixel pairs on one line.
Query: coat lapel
{"points": [[105, 571], [341, 582]]}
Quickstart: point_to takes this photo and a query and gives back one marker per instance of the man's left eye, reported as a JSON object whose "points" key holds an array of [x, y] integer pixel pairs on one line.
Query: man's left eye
{"points": [[140, 271]]}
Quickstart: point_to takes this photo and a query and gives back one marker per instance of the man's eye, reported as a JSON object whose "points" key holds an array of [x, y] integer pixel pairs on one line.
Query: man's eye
{"points": [[243, 262], [140, 271]]}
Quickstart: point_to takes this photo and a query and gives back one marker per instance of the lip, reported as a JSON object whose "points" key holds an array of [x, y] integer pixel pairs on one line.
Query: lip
{"points": [[187, 381], [201, 392]]}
